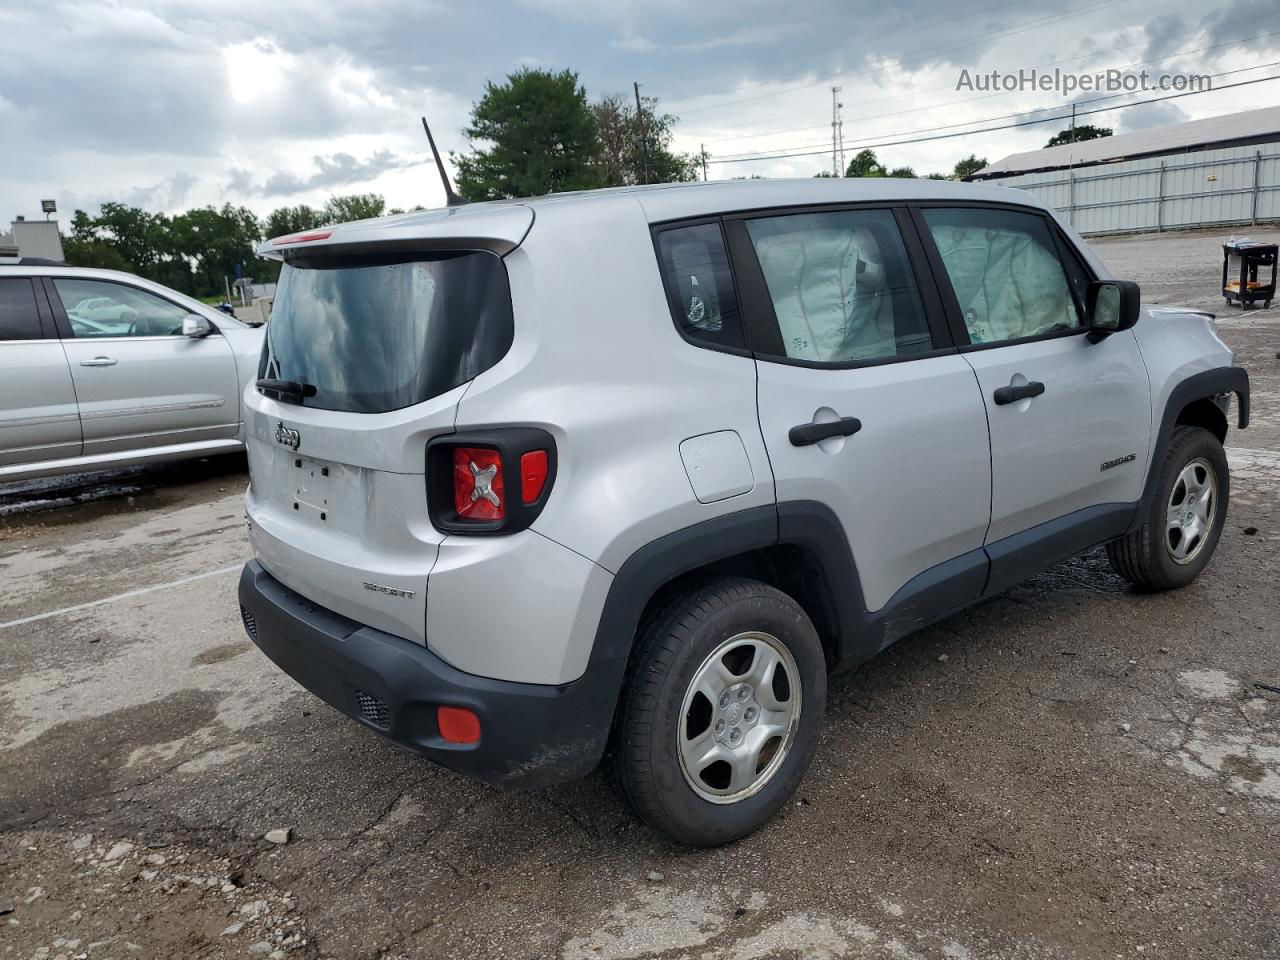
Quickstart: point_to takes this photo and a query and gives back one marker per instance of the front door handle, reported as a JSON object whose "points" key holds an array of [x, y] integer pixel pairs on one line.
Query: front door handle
{"points": [[1012, 394], [99, 362], [809, 433]]}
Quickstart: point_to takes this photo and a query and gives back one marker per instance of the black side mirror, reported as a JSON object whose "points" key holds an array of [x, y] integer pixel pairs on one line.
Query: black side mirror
{"points": [[1111, 306]]}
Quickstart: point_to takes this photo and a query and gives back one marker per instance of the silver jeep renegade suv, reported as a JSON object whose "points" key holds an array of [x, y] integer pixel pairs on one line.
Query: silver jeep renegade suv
{"points": [[626, 474]]}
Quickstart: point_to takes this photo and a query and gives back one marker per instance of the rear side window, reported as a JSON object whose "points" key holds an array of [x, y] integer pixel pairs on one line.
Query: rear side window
{"points": [[841, 286], [384, 333], [1005, 271], [19, 319], [699, 282]]}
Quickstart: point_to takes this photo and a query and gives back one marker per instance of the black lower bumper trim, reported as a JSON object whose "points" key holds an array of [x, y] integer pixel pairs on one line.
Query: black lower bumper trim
{"points": [[532, 735]]}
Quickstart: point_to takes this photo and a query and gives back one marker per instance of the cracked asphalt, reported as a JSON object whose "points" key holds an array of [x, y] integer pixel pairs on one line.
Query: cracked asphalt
{"points": [[1068, 770]]}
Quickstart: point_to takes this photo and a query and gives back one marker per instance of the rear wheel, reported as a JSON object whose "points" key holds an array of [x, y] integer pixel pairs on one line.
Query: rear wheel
{"points": [[721, 711], [1184, 520]]}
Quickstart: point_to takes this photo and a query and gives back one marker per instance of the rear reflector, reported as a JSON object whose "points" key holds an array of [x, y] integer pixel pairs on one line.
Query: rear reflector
{"points": [[302, 237], [533, 475], [458, 725], [477, 483]]}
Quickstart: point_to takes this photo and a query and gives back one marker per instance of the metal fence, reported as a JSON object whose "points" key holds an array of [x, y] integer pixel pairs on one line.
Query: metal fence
{"points": [[1236, 185]]}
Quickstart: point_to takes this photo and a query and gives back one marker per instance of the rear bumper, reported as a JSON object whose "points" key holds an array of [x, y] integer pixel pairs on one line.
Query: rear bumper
{"points": [[531, 735]]}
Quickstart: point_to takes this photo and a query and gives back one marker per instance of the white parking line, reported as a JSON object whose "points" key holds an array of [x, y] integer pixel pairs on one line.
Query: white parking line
{"points": [[122, 596]]}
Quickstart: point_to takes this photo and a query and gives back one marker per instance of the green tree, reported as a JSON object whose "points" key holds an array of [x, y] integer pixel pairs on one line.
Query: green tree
{"points": [[907, 173], [1086, 131], [824, 173], [634, 146], [541, 136], [214, 244], [865, 164], [969, 166], [355, 206], [137, 235], [286, 220]]}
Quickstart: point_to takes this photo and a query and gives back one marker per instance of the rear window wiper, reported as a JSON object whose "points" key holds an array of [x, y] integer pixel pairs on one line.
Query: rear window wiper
{"points": [[286, 391]]}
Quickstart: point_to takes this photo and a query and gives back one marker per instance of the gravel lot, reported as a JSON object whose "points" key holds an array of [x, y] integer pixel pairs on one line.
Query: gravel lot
{"points": [[1069, 770]]}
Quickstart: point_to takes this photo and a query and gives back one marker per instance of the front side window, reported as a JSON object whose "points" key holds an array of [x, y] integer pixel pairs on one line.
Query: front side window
{"points": [[19, 319], [1006, 273], [695, 269], [100, 308], [841, 285]]}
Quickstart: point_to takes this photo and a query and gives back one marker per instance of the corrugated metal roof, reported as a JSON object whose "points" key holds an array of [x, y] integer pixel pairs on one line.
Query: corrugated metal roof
{"points": [[1177, 136]]}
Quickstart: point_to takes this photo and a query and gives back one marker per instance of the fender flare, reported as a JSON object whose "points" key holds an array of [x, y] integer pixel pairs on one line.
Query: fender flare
{"points": [[1199, 386]]}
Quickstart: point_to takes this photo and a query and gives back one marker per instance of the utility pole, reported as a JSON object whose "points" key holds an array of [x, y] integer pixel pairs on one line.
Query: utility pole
{"points": [[702, 152], [644, 133], [837, 134]]}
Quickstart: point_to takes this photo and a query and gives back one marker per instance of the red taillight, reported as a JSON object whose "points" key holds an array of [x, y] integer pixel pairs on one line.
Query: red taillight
{"points": [[477, 484], [533, 475], [458, 725]]}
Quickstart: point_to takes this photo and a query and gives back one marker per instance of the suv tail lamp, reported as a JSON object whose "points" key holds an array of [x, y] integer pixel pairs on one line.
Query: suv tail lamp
{"points": [[489, 481]]}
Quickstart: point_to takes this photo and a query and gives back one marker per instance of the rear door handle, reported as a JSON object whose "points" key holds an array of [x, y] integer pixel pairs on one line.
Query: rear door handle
{"points": [[810, 433], [1012, 394], [99, 362]]}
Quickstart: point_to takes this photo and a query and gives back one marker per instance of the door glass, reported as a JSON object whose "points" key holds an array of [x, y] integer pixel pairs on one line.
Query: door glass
{"points": [[100, 308], [841, 285], [1005, 271], [695, 268], [18, 317]]}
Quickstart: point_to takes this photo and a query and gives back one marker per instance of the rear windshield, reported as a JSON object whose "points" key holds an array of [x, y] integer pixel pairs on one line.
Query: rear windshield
{"points": [[373, 335]]}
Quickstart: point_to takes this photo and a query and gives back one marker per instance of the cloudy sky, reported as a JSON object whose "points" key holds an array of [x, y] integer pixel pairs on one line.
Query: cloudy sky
{"points": [[169, 104]]}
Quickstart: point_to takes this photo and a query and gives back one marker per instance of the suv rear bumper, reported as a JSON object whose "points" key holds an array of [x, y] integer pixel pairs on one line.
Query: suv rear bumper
{"points": [[531, 735]]}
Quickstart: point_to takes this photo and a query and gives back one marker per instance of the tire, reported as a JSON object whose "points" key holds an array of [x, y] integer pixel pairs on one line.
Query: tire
{"points": [[743, 626], [1148, 557]]}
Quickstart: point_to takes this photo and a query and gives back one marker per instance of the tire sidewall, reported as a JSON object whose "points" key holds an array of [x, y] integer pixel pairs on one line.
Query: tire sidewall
{"points": [[1190, 444], [684, 810]]}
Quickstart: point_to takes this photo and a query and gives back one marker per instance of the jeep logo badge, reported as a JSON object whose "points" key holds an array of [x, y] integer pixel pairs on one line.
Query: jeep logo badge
{"points": [[290, 438]]}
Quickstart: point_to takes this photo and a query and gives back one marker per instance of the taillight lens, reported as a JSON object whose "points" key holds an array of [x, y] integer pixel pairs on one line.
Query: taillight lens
{"points": [[478, 490], [533, 475], [489, 482]]}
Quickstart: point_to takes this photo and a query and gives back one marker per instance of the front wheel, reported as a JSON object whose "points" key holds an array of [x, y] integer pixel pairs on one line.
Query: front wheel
{"points": [[1184, 520], [721, 711]]}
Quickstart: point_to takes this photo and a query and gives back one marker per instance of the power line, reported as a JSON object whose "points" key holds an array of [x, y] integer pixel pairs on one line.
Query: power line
{"points": [[1024, 123], [1003, 116]]}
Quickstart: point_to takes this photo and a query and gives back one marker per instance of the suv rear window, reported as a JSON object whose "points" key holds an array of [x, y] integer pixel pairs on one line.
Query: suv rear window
{"points": [[383, 333]]}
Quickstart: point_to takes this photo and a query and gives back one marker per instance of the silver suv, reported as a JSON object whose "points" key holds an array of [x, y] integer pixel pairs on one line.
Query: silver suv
{"points": [[626, 474], [104, 369]]}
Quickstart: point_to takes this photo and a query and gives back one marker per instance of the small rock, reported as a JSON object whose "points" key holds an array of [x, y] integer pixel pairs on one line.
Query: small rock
{"points": [[6, 905], [1164, 649], [121, 849], [1222, 811], [232, 930], [943, 658], [279, 836], [82, 843], [255, 909], [228, 888], [1126, 727], [149, 874], [156, 860], [1250, 531], [656, 877], [261, 948]]}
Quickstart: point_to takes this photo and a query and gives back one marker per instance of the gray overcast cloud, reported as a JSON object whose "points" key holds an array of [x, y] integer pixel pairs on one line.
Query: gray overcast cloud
{"points": [[174, 103]]}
